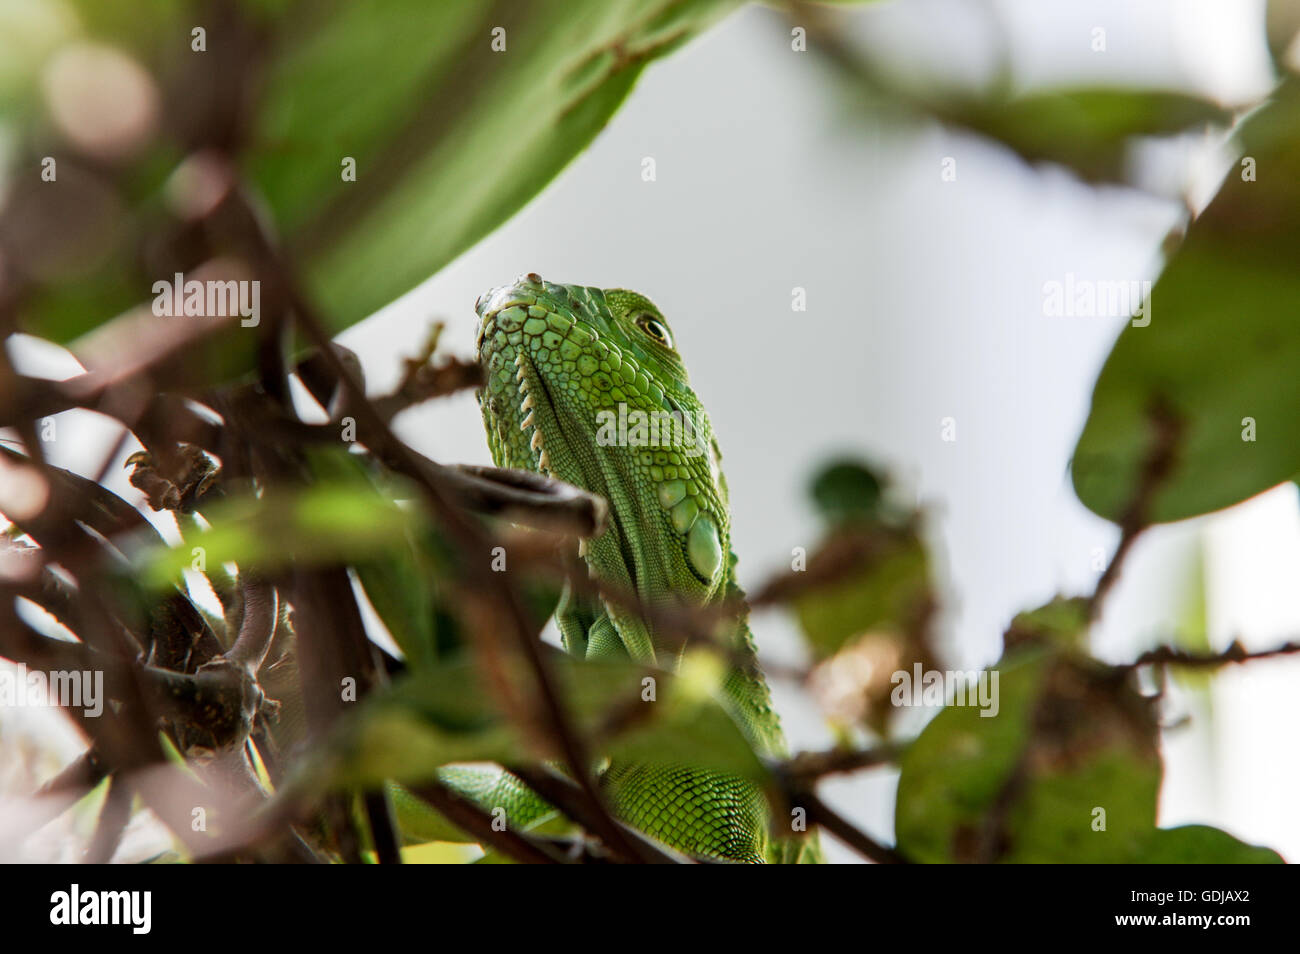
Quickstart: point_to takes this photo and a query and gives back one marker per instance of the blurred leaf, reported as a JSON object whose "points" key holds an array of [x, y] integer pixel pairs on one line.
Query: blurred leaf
{"points": [[325, 523], [1220, 348], [1282, 21], [1062, 622], [952, 773], [1070, 740], [449, 136], [446, 714], [442, 853], [29, 31], [845, 490], [1088, 130], [400, 580], [1201, 844], [400, 586], [689, 723], [418, 821], [891, 589]]}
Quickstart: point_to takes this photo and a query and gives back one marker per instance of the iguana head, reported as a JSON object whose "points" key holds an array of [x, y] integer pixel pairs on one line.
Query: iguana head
{"points": [[585, 385]]}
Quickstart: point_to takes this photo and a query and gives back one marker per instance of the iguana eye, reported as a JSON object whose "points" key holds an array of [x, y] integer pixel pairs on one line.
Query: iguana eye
{"points": [[655, 329]]}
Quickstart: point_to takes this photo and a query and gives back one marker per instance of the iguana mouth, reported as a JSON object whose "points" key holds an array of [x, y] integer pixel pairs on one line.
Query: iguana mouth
{"points": [[536, 405], [528, 419]]}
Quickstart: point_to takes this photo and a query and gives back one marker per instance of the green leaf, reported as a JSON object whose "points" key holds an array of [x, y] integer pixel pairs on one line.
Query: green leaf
{"points": [[1282, 23], [845, 490], [443, 853], [1068, 770], [1199, 844], [450, 137], [446, 714], [1062, 622], [953, 772], [324, 523], [1086, 129], [889, 590], [400, 586], [1220, 351], [688, 721]]}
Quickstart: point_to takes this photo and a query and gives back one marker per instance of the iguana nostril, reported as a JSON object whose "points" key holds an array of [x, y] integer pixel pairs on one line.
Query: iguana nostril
{"points": [[533, 278]]}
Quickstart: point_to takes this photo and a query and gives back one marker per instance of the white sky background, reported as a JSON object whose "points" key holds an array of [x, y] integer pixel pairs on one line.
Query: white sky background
{"points": [[924, 302]]}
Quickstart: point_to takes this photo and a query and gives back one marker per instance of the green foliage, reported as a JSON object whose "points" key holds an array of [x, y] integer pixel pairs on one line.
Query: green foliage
{"points": [[889, 591], [1066, 771], [449, 135], [450, 713], [321, 524], [1220, 348], [871, 571], [846, 490], [1088, 130]]}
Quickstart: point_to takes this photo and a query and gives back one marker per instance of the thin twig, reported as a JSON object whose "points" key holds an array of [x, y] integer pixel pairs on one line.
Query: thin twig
{"points": [[822, 814], [806, 768], [383, 832], [1235, 653], [1159, 462]]}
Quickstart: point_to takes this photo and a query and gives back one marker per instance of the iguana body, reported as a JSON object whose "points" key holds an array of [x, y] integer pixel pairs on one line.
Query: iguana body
{"points": [[569, 372]]}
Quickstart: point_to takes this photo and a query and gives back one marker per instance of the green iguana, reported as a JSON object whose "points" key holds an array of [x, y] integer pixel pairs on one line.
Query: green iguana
{"points": [[567, 369]]}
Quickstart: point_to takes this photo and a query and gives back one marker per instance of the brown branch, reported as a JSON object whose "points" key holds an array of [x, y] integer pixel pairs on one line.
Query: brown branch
{"points": [[1235, 653], [843, 555], [523, 497], [526, 498], [826, 817], [216, 699], [383, 831], [805, 768], [1159, 462], [116, 355], [422, 380], [468, 816], [113, 818]]}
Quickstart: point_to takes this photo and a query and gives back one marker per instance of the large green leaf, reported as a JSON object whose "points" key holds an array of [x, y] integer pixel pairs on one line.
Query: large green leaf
{"points": [[1221, 347], [954, 770], [450, 137], [1067, 770], [450, 134]]}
